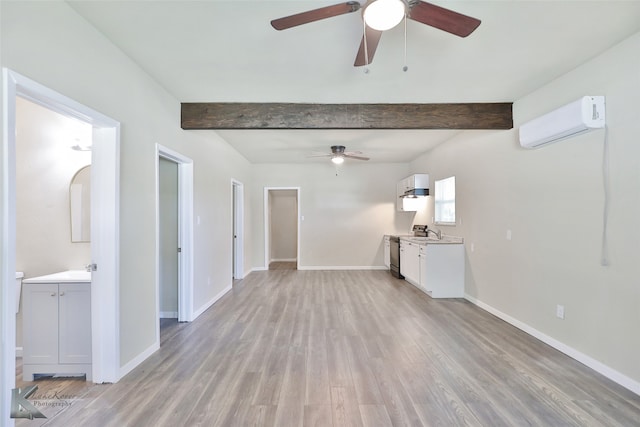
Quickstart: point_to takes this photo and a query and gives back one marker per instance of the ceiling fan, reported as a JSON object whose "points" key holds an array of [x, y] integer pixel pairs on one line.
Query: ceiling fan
{"points": [[338, 154], [381, 15]]}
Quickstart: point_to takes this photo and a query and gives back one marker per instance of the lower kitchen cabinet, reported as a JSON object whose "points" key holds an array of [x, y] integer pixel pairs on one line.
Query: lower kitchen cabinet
{"points": [[387, 252], [409, 264], [442, 270], [56, 329]]}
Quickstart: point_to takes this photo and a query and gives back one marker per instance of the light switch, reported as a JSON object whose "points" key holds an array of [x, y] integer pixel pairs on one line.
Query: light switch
{"points": [[508, 234]]}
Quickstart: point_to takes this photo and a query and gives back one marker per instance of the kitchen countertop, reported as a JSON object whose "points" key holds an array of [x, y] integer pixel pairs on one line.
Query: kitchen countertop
{"points": [[446, 240]]}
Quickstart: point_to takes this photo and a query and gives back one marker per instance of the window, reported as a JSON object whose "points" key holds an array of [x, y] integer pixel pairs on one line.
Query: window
{"points": [[445, 201]]}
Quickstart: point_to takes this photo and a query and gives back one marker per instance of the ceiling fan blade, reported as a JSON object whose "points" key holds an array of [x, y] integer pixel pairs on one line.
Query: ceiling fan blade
{"points": [[320, 155], [373, 37], [352, 153], [349, 156], [315, 15], [443, 19]]}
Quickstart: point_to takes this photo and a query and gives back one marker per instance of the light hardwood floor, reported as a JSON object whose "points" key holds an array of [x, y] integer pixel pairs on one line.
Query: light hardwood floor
{"points": [[349, 348]]}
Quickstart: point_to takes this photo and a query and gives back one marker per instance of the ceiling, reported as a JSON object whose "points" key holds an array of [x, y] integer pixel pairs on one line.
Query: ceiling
{"points": [[226, 51]]}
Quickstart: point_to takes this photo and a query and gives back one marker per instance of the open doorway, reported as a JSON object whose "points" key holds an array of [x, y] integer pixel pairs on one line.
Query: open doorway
{"points": [[174, 239], [105, 136], [282, 228]]}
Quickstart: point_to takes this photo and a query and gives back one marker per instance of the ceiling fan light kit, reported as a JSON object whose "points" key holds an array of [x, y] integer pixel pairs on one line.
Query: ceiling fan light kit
{"points": [[383, 15], [339, 154]]}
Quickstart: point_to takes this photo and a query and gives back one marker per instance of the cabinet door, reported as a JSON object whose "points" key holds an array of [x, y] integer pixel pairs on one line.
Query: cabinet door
{"points": [[399, 200], [387, 252], [75, 322], [411, 268], [40, 323], [423, 268]]}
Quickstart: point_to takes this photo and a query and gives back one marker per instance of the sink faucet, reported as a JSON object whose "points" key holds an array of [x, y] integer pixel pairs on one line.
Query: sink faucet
{"points": [[437, 232]]}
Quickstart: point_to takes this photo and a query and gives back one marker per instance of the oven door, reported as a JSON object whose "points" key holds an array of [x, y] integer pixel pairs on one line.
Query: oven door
{"points": [[394, 257]]}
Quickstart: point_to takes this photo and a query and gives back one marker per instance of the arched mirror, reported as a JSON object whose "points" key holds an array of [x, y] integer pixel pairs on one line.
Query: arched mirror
{"points": [[80, 201]]}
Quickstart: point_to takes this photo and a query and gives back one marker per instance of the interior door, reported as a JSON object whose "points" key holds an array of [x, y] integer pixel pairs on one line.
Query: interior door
{"points": [[169, 248]]}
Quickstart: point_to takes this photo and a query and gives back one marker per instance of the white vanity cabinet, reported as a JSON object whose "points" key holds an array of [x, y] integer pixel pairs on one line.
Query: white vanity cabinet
{"points": [[387, 252], [56, 329], [409, 265]]}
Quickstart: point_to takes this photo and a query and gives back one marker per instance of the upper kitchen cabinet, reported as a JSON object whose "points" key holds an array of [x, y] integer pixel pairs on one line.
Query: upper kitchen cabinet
{"points": [[416, 185]]}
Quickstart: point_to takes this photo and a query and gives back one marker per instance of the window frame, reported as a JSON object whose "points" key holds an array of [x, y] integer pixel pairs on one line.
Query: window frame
{"points": [[440, 201]]}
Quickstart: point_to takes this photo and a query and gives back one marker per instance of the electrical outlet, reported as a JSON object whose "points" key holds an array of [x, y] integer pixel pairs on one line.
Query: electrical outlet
{"points": [[560, 311], [473, 247], [508, 234]]}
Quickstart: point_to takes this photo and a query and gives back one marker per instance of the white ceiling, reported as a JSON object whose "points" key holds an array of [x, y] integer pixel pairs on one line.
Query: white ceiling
{"points": [[226, 51]]}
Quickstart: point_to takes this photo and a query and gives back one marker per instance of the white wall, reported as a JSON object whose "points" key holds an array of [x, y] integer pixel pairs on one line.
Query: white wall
{"points": [[284, 225], [49, 43], [552, 200], [345, 216]]}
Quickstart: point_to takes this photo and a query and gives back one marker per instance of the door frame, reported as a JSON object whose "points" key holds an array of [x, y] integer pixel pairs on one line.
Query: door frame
{"points": [[237, 229], [185, 234], [105, 242], [267, 224]]}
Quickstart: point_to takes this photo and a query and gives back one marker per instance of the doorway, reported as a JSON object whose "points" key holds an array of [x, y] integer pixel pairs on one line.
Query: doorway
{"points": [[174, 238], [168, 238], [237, 203], [282, 227], [105, 135]]}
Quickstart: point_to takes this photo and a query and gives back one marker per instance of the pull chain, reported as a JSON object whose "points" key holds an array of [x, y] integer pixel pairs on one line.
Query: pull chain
{"points": [[366, 51], [405, 68]]}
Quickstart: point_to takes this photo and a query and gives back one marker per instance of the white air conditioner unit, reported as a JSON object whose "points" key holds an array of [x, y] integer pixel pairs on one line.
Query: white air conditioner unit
{"points": [[585, 114]]}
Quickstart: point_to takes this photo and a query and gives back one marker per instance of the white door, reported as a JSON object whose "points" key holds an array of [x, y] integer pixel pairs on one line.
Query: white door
{"points": [[169, 246]]}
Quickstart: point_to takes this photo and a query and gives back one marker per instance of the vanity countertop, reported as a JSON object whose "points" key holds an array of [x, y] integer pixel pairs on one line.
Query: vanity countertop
{"points": [[69, 276]]}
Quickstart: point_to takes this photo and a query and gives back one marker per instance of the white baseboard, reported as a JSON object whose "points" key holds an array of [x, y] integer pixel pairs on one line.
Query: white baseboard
{"points": [[259, 269], [168, 314], [589, 361], [342, 267], [124, 370], [284, 260], [210, 303], [18, 351]]}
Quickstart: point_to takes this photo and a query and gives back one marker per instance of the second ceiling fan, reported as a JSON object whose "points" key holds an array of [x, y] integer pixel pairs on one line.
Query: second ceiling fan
{"points": [[381, 15]]}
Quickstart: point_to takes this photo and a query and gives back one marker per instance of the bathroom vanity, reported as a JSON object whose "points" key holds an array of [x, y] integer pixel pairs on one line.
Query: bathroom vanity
{"points": [[57, 324]]}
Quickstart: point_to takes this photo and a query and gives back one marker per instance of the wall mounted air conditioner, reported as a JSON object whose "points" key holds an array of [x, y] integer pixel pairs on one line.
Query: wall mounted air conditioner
{"points": [[583, 115]]}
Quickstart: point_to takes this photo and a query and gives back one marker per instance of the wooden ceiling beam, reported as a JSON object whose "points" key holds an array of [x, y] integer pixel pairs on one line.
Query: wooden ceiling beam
{"points": [[210, 115]]}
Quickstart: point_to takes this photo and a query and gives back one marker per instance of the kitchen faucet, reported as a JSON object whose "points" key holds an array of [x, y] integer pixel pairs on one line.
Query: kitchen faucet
{"points": [[437, 232]]}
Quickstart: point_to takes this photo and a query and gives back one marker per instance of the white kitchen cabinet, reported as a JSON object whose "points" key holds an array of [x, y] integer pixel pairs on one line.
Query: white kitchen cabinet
{"points": [[399, 200], [409, 262], [422, 254], [442, 270], [419, 180], [387, 252], [56, 329]]}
